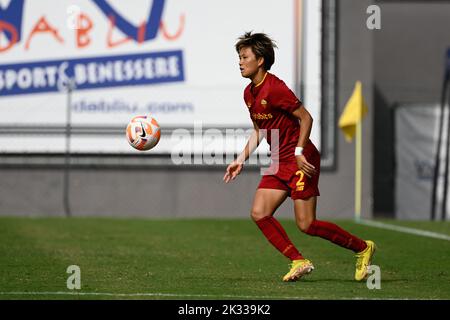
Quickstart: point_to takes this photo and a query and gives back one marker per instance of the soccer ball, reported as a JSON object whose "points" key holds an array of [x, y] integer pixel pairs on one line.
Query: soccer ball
{"points": [[143, 132]]}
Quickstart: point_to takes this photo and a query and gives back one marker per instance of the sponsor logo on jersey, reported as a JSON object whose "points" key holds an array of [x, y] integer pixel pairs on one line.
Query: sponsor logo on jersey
{"points": [[262, 116]]}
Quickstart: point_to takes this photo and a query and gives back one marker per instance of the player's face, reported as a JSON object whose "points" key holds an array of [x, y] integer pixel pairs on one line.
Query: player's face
{"points": [[248, 63]]}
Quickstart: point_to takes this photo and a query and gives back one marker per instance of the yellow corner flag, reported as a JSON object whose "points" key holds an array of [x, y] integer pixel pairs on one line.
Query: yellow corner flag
{"points": [[354, 111], [351, 124]]}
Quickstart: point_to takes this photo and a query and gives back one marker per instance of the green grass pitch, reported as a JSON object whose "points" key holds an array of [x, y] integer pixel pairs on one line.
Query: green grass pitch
{"points": [[208, 259]]}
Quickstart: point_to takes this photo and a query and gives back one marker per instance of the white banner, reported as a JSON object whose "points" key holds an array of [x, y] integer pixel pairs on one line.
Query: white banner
{"points": [[416, 133], [172, 59]]}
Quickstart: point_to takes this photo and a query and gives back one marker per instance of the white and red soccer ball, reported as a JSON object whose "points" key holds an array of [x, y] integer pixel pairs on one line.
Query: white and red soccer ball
{"points": [[143, 132]]}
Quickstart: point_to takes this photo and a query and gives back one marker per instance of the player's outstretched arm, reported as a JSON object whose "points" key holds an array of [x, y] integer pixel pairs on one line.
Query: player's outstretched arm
{"points": [[235, 167], [305, 130]]}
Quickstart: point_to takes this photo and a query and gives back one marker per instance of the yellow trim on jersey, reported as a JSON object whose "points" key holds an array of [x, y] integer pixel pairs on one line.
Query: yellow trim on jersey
{"points": [[260, 83]]}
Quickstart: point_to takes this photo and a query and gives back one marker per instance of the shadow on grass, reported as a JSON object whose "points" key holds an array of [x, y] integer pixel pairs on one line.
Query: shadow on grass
{"points": [[350, 280]]}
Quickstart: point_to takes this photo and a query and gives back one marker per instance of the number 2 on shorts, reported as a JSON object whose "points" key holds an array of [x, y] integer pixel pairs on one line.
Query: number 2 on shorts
{"points": [[300, 185]]}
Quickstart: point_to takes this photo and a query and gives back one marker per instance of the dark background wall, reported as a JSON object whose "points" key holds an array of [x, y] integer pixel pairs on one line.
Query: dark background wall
{"points": [[408, 64]]}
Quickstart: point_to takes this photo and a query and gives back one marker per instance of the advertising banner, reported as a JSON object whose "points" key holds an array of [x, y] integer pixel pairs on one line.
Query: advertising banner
{"points": [[172, 59]]}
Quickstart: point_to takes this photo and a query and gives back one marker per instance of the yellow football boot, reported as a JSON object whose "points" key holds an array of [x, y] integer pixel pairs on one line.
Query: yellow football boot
{"points": [[363, 260], [298, 269]]}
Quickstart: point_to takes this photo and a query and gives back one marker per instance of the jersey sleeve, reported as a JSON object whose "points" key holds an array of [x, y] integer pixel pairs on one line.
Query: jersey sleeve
{"points": [[247, 95], [282, 97]]}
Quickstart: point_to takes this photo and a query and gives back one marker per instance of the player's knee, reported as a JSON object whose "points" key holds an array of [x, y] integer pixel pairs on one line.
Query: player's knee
{"points": [[303, 225], [258, 214]]}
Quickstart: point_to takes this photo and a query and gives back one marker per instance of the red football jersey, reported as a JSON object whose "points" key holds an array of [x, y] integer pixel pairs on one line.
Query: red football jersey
{"points": [[271, 104]]}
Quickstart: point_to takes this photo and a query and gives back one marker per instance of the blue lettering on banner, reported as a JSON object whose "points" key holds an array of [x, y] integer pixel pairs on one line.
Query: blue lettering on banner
{"points": [[11, 20], [92, 73], [153, 21], [11, 17], [125, 106]]}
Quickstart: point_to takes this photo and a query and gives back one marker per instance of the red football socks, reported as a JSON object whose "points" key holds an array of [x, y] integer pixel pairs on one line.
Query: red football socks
{"points": [[274, 232], [337, 235]]}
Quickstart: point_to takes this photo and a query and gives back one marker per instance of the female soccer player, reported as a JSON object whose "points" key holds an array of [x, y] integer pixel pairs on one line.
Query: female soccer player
{"points": [[277, 113]]}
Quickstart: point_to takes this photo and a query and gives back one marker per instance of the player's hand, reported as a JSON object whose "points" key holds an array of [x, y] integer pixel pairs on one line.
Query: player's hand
{"points": [[305, 166], [233, 169]]}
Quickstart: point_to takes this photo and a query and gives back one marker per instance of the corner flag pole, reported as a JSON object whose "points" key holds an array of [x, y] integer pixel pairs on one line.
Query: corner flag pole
{"points": [[358, 170], [351, 124]]}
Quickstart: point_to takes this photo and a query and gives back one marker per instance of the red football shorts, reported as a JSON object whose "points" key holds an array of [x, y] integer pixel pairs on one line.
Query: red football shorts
{"points": [[291, 179]]}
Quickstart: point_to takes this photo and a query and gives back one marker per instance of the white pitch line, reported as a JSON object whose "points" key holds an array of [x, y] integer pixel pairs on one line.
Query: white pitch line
{"points": [[151, 294], [147, 294], [414, 231], [157, 294]]}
